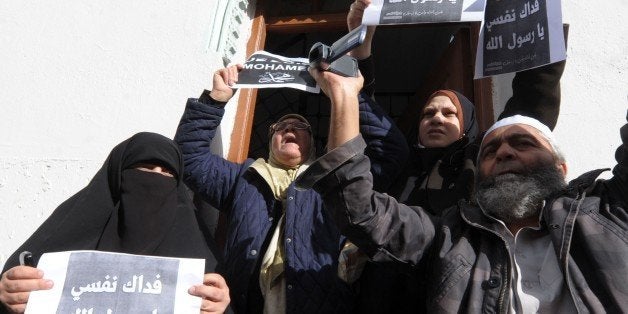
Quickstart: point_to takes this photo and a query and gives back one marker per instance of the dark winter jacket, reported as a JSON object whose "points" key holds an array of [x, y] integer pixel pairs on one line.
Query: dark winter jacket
{"points": [[437, 178], [311, 240], [469, 266]]}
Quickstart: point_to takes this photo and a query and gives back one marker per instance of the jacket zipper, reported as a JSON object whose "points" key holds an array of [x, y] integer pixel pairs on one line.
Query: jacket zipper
{"points": [[506, 285]]}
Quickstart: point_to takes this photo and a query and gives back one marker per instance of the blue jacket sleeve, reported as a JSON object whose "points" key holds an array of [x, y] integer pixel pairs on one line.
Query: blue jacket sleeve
{"points": [[207, 174], [386, 145], [367, 68]]}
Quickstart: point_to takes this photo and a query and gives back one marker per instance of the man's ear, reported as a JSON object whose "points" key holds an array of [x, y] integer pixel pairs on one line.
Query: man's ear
{"points": [[563, 168]]}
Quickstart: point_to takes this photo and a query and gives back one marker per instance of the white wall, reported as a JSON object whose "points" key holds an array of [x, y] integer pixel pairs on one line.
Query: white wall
{"points": [[78, 77], [594, 85]]}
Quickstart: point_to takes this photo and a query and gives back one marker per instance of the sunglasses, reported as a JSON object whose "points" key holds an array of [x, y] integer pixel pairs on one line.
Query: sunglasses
{"points": [[281, 126]]}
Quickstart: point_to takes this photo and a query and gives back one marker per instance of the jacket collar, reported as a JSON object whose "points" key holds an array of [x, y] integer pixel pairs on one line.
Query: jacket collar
{"points": [[473, 215]]}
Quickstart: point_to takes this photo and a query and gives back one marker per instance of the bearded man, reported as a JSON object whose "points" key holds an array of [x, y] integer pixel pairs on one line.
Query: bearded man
{"points": [[528, 242]]}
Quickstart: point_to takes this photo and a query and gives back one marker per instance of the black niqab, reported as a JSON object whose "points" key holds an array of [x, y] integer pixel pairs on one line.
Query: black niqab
{"points": [[127, 210]]}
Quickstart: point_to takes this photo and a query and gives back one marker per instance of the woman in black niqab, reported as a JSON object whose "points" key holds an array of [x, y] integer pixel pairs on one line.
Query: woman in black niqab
{"points": [[127, 210]]}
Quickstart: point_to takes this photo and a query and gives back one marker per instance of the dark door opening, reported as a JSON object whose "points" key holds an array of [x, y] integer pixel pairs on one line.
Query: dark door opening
{"points": [[410, 63]]}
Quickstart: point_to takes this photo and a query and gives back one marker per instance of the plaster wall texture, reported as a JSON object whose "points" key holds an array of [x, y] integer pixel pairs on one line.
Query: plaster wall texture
{"points": [[77, 78], [594, 86]]}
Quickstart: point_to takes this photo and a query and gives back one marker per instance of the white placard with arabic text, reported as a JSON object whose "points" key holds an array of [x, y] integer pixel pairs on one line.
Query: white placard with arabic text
{"points": [[382, 12], [93, 282]]}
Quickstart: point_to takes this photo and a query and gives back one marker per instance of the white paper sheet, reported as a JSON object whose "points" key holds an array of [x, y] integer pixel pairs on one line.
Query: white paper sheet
{"points": [[381, 12], [94, 282]]}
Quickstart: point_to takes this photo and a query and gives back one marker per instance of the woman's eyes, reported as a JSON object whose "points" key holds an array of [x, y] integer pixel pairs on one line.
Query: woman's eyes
{"points": [[445, 113]]}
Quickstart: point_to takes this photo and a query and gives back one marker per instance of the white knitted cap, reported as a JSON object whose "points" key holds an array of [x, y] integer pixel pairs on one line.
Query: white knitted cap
{"points": [[519, 119]]}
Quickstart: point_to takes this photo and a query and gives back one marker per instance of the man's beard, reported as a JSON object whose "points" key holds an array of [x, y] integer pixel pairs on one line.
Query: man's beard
{"points": [[511, 197]]}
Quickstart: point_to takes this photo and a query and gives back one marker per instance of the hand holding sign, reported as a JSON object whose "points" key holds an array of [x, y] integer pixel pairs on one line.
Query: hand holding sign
{"points": [[267, 70], [224, 80], [120, 283], [354, 20], [214, 292], [16, 285]]}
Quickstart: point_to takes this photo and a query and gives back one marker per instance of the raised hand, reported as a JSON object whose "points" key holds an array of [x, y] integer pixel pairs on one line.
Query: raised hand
{"points": [[337, 87], [343, 94], [354, 19], [223, 81]]}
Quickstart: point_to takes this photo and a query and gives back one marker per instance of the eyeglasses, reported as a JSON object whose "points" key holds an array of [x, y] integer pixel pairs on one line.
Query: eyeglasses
{"points": [[297, 125]]}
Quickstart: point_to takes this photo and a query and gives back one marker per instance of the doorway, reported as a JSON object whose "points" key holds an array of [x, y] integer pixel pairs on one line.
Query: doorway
{"points": [[411, 61]]}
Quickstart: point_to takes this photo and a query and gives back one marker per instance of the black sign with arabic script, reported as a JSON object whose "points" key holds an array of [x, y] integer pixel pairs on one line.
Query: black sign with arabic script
{"points": [[266, 70], [114, 283], [516, 36], [418, 11]]}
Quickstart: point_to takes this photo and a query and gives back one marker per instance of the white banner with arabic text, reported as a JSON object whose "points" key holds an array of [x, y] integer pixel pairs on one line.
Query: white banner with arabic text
{"points": [[382, 12], [94, 282]]}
